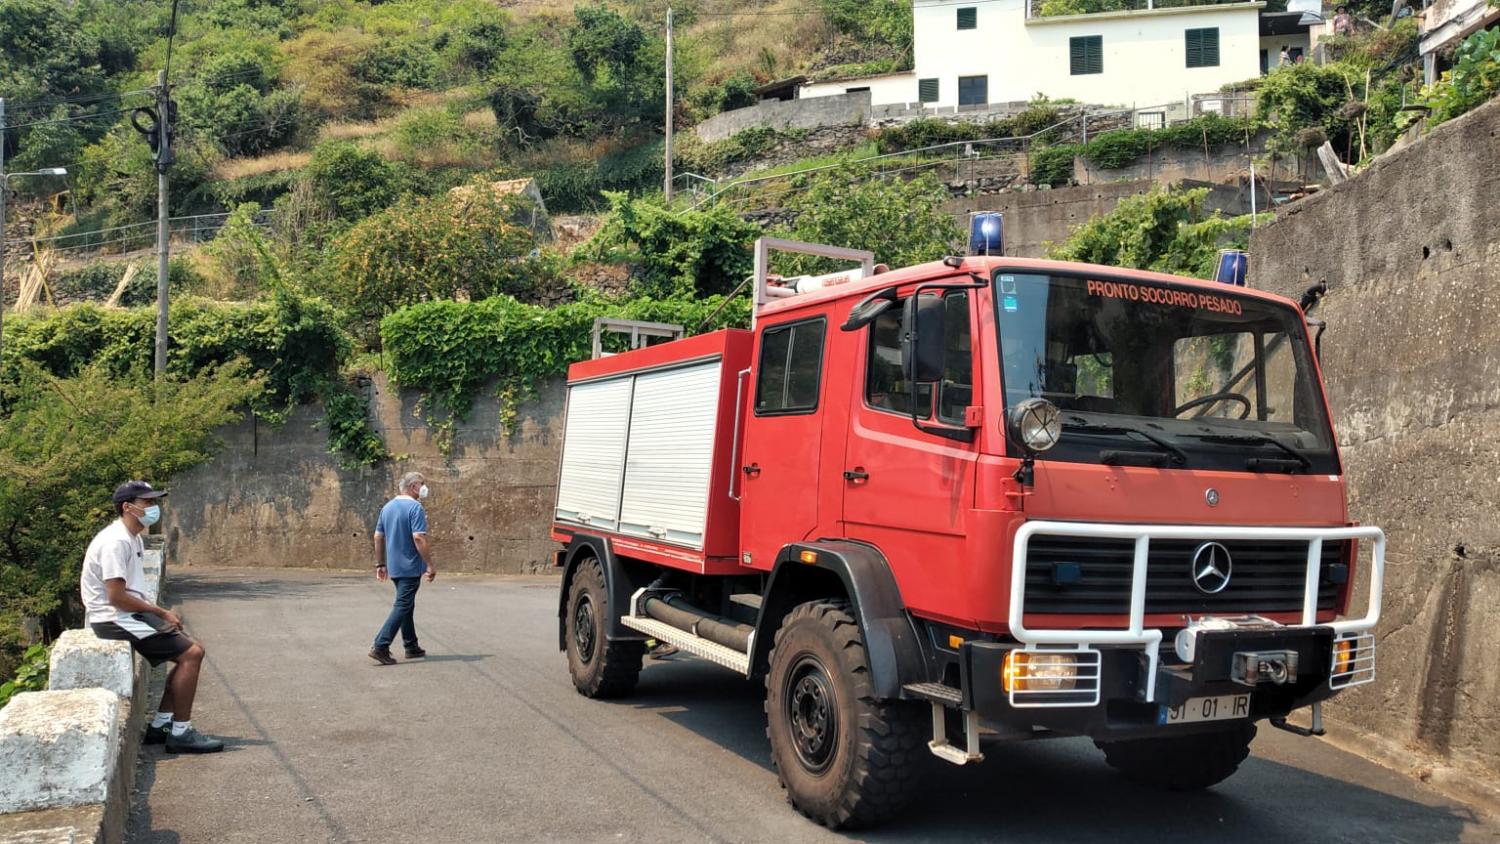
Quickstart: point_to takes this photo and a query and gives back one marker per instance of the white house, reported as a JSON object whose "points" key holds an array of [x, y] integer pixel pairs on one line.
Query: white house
{"points": [[997, 51]]}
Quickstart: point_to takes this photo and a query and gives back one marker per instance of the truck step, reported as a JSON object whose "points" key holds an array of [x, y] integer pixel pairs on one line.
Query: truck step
{"points": [[695, 645], [935, 692], [747, 599]]}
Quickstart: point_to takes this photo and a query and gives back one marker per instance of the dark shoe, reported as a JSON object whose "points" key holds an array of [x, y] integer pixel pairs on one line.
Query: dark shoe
{"points": [[157, 735], [662, 651], [415, 653], [192, 741], [382, 656]]}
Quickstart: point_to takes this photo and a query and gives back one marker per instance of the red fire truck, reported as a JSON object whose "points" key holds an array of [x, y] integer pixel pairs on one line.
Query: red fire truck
{"points": [[978, 498]]}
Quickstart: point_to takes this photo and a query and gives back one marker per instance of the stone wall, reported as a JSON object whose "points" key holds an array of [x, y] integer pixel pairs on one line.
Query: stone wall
{"points": [[275, 497], [1410, 250]]}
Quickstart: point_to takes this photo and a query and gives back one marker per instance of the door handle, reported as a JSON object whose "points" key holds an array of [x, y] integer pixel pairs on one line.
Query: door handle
{"points": [[752, 470], [856, 475]]}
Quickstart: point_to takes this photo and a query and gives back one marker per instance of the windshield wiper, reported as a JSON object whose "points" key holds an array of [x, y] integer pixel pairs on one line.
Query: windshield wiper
{"points": [[1262, 439], [1179, 457]]}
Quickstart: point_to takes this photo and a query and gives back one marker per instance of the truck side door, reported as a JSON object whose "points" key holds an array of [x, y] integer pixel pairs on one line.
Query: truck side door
{"points": [[782, 443], [909, 491]]}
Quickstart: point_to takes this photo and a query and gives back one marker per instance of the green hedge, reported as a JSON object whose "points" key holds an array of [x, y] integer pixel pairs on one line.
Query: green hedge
{"points": [[449, 350]]}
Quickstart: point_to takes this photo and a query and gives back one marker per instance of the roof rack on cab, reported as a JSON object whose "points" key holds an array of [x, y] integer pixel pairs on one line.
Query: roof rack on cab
{"points": [[768, 286]]}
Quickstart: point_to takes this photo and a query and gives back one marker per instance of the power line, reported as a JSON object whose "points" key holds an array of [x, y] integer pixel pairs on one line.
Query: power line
{"points": [[78, 118]]}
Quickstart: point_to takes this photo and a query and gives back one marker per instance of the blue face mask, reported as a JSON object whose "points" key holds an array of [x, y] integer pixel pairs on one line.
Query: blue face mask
{"points": [[151, 516]]}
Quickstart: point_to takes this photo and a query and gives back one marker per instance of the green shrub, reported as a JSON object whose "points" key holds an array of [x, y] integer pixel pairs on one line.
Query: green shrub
{"points": [[97, 281], [1166, 231], [679, 253], [901, 220], [354, 182], [465, 243], [1053, 165], [30, 676], [64, 444], [1473, 79], [581, 186], [741, 146], [1117, 149], [1300, 97]]}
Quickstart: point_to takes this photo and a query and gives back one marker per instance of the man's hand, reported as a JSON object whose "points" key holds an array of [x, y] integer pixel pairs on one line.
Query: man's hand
{"points": [[381, 574], [431, 572], [171, 618]]}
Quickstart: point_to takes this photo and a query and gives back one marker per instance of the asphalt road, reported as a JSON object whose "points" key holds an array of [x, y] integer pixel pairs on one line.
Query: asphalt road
{"points": [[486, 740]]}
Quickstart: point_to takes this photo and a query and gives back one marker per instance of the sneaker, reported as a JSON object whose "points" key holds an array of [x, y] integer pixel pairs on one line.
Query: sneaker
{"points": [[415, 653], [192, 741], [382, 656], [157, 735], [662, 651]]}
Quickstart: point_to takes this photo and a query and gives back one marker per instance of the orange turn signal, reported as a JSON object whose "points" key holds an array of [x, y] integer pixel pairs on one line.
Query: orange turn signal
{"points": [[808, 556]]}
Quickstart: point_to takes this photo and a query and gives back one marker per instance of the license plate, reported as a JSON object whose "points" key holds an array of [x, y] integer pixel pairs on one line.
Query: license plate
{"points": [[1196, 709]]}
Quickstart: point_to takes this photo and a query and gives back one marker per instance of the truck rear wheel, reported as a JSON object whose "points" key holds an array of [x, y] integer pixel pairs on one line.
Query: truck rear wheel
{"points": [[600, 668], [845, 758], [1181, 763]]}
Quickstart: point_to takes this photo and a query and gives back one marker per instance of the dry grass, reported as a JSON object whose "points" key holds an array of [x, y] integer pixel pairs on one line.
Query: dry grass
{"points": [[344, 131], [480, 119], [276, 162]]}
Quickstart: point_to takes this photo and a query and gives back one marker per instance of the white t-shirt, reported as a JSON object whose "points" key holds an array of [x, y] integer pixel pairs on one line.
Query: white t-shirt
{"points": [[115, 553]]}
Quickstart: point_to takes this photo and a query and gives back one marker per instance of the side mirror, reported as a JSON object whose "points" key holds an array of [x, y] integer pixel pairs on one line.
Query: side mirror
{"points": [[922, 342], [869, 308], [1035, 425]]}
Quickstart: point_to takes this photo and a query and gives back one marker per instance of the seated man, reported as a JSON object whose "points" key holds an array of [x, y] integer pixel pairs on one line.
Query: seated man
{"points": [[113, 584]]}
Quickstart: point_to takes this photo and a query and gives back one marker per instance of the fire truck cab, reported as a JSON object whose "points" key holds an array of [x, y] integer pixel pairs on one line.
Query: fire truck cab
{"points": [[980, 499]]}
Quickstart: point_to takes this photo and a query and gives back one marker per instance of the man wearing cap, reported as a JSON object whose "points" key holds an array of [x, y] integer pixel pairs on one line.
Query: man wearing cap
{"points": [[113, 584]]}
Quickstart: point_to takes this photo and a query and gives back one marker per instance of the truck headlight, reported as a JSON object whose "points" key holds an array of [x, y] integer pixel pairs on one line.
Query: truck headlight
{"points": [[1035, 424], [1030, 671]]}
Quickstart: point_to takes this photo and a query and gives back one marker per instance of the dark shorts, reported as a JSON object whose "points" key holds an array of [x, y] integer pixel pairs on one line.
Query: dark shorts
{"points": [[156, 648]]}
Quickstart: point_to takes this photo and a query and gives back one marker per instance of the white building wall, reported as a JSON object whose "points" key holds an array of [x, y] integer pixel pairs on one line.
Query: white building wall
{"points": [[890, 88], [1145, 59]]}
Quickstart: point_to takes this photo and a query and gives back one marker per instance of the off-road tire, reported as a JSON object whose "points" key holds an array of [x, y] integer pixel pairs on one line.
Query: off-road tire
{"points": [[600, 668], [875, 749], [1181, 763]]}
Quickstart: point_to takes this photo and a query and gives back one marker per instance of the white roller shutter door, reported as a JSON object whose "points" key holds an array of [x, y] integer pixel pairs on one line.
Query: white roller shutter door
{"points": [[594, 453], [670, 454]]}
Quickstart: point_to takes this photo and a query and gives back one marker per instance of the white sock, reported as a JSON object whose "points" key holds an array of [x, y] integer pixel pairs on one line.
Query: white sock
{"points": [[180, 727], [161, 720]]}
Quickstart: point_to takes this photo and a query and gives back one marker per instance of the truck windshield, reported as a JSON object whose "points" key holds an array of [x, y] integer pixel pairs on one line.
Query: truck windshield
{"points": [[1154, 375]]}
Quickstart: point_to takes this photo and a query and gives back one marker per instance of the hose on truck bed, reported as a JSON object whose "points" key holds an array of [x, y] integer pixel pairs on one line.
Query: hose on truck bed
{"points": [[679, 613]]}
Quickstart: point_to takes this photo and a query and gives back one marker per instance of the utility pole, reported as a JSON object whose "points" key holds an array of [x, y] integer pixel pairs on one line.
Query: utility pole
{"points": [[667, 185], [164, 109], [3, 199]]}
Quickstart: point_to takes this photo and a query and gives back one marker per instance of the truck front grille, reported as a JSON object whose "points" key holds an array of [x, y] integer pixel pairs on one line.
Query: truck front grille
{"points": [[1080, 575]]}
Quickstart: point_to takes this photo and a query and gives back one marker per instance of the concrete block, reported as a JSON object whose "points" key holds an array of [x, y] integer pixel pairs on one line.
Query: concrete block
{"points": [[58, 748], [81, 660], [151, 562]]}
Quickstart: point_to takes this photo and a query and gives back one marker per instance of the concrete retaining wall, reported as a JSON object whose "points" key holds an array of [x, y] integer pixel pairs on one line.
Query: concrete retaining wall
{"points": [[814, 113], [67, 755], [275, 497], [1410, 250]]}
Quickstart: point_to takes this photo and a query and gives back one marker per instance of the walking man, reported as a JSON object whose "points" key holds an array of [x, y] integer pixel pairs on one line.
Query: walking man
{"points": [[113, 584], [401, 556]]}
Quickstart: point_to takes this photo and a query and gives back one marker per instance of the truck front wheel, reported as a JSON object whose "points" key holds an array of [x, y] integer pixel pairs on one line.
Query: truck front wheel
{"points": [[1181, 763], [845, 758], [600, 668]]}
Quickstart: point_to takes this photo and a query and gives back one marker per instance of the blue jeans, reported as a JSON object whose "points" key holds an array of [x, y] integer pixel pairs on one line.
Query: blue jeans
{"points": [[402, 615]]}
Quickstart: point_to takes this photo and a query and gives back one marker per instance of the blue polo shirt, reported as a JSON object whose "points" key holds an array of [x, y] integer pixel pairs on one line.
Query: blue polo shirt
{"points": [[399, 519]]}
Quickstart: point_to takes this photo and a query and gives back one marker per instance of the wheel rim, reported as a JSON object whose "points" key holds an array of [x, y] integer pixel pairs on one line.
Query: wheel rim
{"points": [[583, 628], [811, 711]]}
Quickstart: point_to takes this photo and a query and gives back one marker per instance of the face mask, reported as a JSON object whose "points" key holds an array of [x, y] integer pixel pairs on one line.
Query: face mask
{"points": [[422, 493], [151, 515]]}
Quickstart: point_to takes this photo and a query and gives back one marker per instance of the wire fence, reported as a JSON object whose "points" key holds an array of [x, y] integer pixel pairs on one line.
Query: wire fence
{"points": [[186, 230]]}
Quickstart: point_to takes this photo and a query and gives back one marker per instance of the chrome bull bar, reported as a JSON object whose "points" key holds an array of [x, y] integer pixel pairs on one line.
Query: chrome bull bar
{"points": [[1149, 639]]}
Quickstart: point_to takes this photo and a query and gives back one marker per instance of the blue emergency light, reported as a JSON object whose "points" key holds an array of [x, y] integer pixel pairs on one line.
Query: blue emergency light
{"points": [[987, 234], [1234, 265]]}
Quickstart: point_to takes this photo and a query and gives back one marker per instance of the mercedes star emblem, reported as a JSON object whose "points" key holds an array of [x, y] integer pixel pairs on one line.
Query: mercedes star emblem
{"points": [[1212, 497], [1211, 568]]}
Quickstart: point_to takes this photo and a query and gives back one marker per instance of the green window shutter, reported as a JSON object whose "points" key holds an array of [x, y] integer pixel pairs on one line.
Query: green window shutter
{"points": [[1086, 54], [1203, 47], [927, 90], [968, 18]]}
